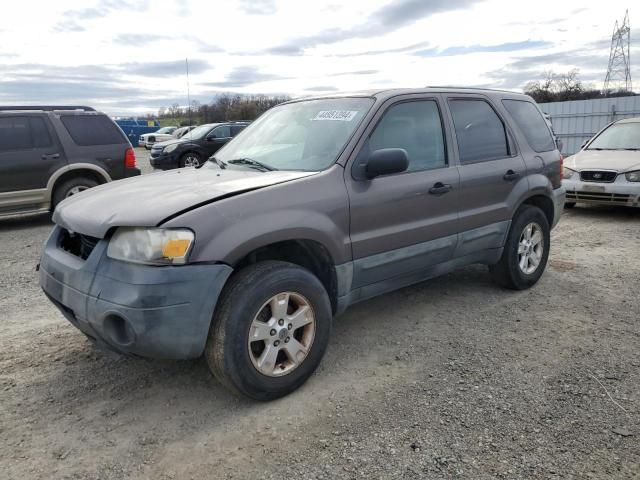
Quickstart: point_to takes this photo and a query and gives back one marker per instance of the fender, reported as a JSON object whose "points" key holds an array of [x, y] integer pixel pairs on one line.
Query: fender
{"points": [[69, 168]]}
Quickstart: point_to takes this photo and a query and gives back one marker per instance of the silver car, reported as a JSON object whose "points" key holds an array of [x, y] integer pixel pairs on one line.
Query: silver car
{"points": [[607, 169]]}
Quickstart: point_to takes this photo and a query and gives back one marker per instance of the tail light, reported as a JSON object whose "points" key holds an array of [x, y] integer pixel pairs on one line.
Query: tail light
{"points": [[130, 158]]}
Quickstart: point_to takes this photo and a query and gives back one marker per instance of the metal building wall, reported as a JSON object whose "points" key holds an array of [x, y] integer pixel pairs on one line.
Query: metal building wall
{"points": [[578, 120]]}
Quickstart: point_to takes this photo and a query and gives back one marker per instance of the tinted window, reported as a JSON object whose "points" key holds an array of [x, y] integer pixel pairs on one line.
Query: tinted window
{"points": [[531, 123], [40, 133], [480, 133], [89, 130], [221, 132], [416, 127], [236, 129], [15, 134]]}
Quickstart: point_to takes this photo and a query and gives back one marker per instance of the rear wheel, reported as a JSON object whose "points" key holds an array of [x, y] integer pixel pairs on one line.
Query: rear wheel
{"points": [[71, 187], [190, 159], [525, 252], [270, 330]]}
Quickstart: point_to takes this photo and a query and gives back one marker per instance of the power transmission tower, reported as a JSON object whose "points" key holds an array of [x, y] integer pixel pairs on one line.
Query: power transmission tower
{"points": [[619, 71]]}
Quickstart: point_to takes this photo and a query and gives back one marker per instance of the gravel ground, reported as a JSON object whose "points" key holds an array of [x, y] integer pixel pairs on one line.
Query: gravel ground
{"points": [[451, 378]]}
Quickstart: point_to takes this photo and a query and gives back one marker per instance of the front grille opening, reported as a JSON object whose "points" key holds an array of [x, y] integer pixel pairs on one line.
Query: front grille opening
{"points": [[598, 176], [77, 244]]}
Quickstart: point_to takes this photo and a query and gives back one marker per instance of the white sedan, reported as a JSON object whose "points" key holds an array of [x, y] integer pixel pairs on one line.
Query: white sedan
{"points": [[148, 139]]}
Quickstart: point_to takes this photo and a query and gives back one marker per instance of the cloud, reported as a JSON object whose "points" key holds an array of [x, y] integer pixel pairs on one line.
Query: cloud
{"points": [[357, 72], [258, 7], [391, 17], [165, 69], [463, 50], [322, 88], [73, 18], [244, 76], [139, 39]]}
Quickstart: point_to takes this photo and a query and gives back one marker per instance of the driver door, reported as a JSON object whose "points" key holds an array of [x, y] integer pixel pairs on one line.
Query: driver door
{"points": [[216, 139], [404, 223]]}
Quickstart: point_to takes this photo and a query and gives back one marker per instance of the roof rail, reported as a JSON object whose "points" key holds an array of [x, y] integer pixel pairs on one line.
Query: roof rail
{"points": [[46, 108]]}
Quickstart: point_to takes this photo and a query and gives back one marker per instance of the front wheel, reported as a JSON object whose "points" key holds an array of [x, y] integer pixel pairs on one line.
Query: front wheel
{"points": [[190, 159], [526, 250], [71, 187], [270, 330]]}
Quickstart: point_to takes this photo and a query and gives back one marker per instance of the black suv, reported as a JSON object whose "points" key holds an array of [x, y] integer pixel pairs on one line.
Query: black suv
{"points": [[48, 153], [195, 147]]}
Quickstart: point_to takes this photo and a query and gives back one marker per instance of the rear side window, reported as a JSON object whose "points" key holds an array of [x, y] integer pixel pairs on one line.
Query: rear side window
{"points": [[480, 133], [415, 127], [221, 132], [23, 133], [531, 123], [88, 130], [236, 129]]}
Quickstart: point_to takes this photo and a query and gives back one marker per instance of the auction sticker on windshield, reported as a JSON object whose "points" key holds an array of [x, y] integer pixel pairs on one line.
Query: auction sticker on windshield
{"points": [[340, 115]]}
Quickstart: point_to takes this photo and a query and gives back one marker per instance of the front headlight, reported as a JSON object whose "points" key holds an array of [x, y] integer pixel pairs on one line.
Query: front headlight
{"points": [[151, 246], [633, 176], [567, 173], [170, 148]]}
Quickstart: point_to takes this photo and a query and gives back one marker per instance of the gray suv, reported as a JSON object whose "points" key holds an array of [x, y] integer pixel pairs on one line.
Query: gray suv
{"points": [[48, 153], [319, 204]]}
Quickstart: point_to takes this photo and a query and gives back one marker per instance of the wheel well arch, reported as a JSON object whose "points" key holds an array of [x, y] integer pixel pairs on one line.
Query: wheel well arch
{"points": [[544, 203], [305, 253]]}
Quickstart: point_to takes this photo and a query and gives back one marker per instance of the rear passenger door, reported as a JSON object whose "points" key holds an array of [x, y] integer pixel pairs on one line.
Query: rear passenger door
{"points": [[29, 152], [405, 222], [492, 172]]}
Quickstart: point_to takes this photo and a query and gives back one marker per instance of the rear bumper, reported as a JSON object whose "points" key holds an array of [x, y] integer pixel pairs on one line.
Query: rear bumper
{"points": [[559, 197], [157, 312], [620, 192], [131, 172]]}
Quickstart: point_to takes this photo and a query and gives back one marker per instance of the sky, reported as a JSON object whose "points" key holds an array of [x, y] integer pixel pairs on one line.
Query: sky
{"points": [[127, 57]]}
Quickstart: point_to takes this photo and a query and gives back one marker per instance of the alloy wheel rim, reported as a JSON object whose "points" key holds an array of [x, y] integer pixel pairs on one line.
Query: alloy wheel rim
{"points": [[281, 334], [191, 161], [530, 248], [75, 190]]}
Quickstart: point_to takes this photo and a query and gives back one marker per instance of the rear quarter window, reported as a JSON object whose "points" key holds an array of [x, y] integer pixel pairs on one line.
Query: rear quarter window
{"points": [[531, 124], [89, 130]]}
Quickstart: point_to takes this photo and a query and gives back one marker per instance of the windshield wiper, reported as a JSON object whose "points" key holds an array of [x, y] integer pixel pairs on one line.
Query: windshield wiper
{"points": [[219, 162], [251, 163]]}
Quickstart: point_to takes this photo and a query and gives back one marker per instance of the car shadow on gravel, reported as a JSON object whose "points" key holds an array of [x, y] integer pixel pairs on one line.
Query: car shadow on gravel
{"points": [[604, 212]]}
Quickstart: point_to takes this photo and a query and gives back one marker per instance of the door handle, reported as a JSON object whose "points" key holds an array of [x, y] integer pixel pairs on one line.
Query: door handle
{"points": [[511, 176], [440, 188], [52, 156]]}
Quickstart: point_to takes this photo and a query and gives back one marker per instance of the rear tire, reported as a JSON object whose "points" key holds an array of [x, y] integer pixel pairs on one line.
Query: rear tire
{"points": [[248, 349], [71, 187], [526, 250], [569, 204]]}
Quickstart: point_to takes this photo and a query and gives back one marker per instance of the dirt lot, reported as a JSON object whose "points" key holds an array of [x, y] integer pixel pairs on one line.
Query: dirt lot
{"points": [[451, 378]]}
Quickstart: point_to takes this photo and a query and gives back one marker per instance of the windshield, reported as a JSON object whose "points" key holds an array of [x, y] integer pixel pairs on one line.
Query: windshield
{"points": [[198, 132], [621, 136], [307, 135], [166, 130]]}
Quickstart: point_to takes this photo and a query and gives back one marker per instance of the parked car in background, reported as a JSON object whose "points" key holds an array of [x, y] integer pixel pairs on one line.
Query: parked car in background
{"points": [[49, 153], [148, 139], [195, 147], [318, 204], [607, 169], [182, 131]]}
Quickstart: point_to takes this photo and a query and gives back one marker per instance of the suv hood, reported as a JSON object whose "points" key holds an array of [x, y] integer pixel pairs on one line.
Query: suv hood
{"points": [[619, 160], [166, 143], [148, 200]]}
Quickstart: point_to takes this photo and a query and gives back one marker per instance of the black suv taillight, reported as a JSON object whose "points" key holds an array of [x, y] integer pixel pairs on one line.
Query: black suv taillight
{"points": [[130, 158]]}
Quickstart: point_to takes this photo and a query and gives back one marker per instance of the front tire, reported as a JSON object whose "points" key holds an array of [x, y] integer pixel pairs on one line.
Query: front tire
{"points": [[270, 330], [526, 250], [190, 159]]}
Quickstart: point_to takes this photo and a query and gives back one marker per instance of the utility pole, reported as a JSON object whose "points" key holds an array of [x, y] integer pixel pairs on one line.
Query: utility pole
{"points": [[619, 72], [188, 92]]}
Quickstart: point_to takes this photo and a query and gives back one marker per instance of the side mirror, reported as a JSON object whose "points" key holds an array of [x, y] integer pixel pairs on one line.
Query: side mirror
{"points": [[386, 161]]}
